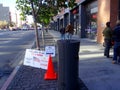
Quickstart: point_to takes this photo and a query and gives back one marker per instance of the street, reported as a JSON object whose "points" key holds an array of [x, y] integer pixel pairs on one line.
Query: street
{"points": [[12, 48]]}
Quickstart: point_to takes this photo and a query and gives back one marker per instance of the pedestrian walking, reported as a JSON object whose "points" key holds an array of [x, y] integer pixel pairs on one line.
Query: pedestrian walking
{"points": [[62, 32], [107, 33], [116, 38], [69, 31]]}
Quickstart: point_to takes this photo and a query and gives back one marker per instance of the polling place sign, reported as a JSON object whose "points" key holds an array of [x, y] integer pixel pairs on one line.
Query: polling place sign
{"points": [[50, 50], [36, 58]]}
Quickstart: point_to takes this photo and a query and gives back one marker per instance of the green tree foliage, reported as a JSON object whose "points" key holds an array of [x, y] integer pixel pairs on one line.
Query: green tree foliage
{"points": [[3, 24], [11, 24], [66, 3], [42, 11]]}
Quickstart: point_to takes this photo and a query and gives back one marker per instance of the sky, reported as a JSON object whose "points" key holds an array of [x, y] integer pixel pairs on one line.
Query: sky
{"points": [[9, 3]]}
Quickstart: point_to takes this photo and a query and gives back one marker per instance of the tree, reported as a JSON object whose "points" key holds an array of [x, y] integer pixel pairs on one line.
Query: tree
{"points": [[3, 24], [41, 10], [11, 24]]}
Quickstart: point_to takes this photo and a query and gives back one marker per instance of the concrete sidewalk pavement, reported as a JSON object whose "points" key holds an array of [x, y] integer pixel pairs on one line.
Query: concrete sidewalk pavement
{"points": [[96, 71], [29, 78], [56, 35]]}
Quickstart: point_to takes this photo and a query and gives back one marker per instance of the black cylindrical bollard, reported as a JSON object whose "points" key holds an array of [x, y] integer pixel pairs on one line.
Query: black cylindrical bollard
{"points": [[68, 58]]}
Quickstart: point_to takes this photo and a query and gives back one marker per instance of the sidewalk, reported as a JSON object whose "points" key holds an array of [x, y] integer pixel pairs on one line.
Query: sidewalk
{"points": [[96, 71], [29, 78]]}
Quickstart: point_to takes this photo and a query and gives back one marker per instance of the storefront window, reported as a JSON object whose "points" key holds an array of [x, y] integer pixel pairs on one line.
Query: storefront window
{"points": [[76, 23], [91, 28], [76, 20]]}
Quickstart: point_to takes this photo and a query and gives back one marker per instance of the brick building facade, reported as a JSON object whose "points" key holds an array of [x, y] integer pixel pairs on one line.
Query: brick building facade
{"points": [[90, 16], [107, 11]]}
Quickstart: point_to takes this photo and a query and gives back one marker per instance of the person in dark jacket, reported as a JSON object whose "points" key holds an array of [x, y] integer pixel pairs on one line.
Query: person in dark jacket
{"points": [[107, 33], [62, 32], [116, 37]]}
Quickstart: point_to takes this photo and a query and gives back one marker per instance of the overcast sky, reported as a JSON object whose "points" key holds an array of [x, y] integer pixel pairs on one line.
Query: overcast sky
{"points": [[9, 3]]}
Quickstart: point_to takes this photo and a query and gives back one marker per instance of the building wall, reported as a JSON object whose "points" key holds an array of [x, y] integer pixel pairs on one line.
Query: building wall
{"points": [[113, 12], [103, 16], [107, 11], [4, 16]]}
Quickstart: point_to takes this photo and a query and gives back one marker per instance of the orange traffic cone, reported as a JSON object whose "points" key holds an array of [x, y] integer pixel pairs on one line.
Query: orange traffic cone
{"points": [[50, 73]]}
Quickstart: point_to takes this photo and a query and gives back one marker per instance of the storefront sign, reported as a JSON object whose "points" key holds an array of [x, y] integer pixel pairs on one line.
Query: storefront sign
{"points": [[94, 10], [75, 11], [67, 10]]}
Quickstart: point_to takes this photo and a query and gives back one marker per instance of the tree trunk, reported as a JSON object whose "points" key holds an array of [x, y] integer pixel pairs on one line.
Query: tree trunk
{"points": [[35, 26]]}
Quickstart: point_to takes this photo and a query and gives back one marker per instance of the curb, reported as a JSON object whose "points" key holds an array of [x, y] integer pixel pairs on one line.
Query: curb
{"points": [[9, 79], [6, 84]]}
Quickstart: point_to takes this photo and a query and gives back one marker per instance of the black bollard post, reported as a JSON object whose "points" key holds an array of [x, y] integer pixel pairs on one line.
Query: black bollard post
{"points": [[68, 58]]}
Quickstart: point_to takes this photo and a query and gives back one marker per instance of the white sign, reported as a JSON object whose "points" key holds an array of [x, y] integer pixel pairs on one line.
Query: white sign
{"points": [[50, 50], [36, 58], [67, 10], [94, 10]]}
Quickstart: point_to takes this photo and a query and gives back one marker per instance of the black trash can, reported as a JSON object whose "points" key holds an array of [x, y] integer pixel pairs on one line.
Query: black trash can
{"points": [[68, 58]]}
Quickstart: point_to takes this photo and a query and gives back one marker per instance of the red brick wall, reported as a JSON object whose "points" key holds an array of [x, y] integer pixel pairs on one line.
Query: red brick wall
{"points": [[113, 12], [107, 11], [102, 18]]}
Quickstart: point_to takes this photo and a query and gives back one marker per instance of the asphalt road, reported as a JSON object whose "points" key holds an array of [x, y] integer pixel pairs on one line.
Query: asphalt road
{"points": [[12, 49]]}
